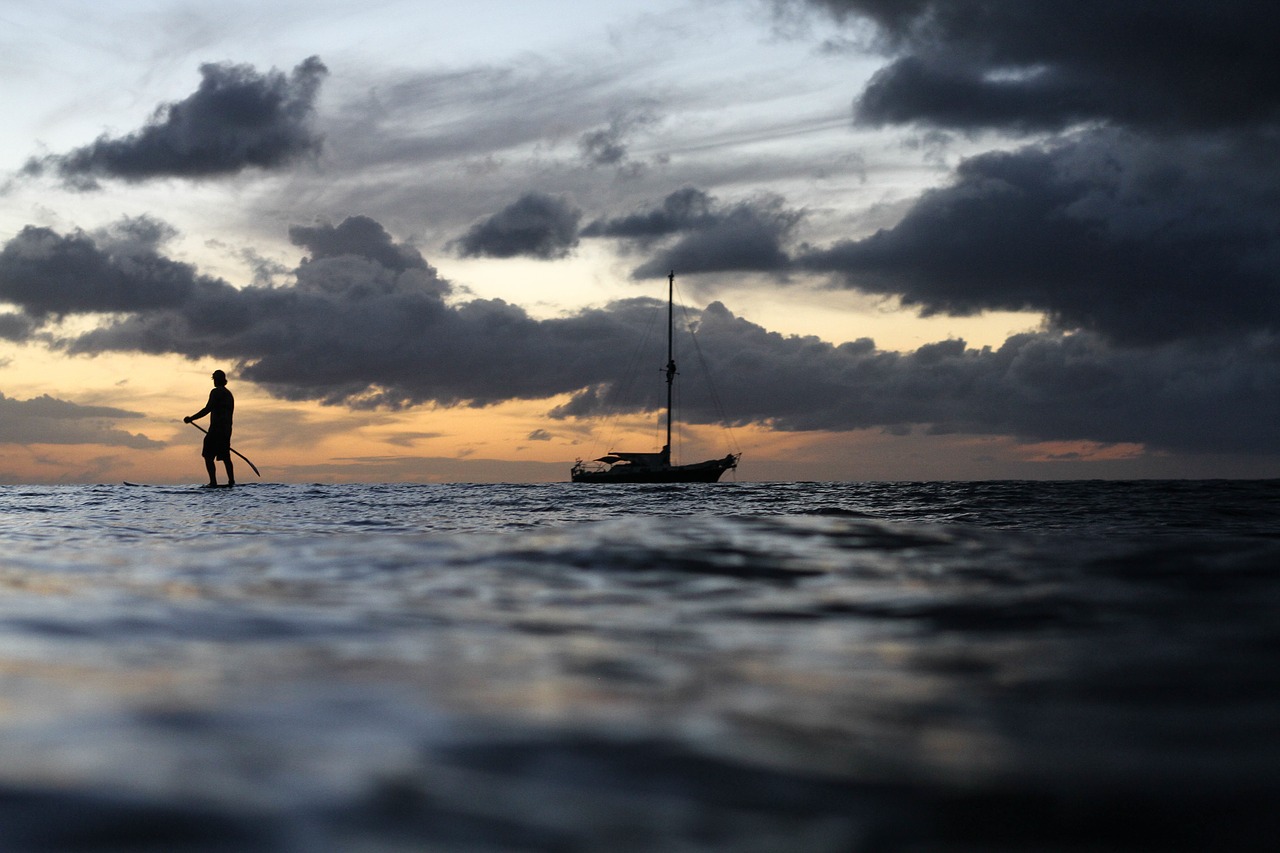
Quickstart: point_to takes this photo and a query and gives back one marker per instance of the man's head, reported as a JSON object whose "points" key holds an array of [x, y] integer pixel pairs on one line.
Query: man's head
{"points": [[219, 378]]}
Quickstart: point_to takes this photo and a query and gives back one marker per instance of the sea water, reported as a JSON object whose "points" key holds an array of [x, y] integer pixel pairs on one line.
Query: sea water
{"points": [[1008, 666]]}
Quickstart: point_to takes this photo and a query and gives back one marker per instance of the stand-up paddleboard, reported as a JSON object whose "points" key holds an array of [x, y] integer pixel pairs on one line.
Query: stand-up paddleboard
{"points": [[183, 487]]}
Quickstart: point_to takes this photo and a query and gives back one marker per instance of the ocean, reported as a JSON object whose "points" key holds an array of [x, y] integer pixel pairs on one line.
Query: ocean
{"points": [[1003, 666]]}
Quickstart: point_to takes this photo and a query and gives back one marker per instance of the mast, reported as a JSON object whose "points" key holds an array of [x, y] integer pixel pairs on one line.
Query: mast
{"points": [[671, 361]]}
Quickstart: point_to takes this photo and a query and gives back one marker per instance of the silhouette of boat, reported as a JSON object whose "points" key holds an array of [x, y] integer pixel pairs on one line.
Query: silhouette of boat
{"points": [[626, 467]]}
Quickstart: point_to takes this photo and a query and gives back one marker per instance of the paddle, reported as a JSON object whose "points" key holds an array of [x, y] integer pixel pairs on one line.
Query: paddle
{"points": [[233, 450]]}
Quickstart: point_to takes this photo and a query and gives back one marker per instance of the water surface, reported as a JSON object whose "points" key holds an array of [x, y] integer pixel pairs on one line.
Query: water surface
{"points": [[801, 666]]}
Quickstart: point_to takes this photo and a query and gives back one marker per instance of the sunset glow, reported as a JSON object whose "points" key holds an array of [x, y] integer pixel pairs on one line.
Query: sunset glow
{"points": [[422, 241]]}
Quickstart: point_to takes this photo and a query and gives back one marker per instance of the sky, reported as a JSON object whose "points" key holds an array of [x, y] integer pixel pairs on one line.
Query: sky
{"points": [[916, 239]]}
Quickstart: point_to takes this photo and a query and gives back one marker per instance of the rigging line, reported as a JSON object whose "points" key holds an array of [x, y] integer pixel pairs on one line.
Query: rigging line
{"points": [[711, 386], [659, 431], [620, 393], [679, 407]]}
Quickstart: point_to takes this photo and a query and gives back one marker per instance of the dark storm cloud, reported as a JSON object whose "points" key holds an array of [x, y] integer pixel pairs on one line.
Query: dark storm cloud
{"points": [[536, 226], [1038, 387], [1154, 64], [46, 420], [361, 237], [1150, 214], [366, 331], [46, 273], [707, 236], [16, 327], [1105, 231], [363, 323], [238, 118], [683, 210]]}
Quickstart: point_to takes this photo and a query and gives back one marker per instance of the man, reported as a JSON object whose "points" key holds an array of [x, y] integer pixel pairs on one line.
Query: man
{"points": [[217, 441]]}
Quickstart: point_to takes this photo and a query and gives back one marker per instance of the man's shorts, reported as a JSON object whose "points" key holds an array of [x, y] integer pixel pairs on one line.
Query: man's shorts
{"points": [[217, 445]]}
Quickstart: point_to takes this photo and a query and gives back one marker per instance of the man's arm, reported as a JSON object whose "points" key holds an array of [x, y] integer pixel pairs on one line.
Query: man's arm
{"points": [[208, 407]]}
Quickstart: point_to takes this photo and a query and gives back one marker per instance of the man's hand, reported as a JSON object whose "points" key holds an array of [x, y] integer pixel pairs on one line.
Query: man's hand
{"points": [[186, 420]]}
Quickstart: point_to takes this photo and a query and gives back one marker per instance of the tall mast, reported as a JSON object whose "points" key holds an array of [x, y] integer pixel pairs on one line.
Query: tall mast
{"points": [[671, 361]]}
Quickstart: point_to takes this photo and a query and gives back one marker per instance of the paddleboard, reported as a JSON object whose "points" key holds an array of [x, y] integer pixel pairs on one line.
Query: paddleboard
{"points": [[184, 487]]}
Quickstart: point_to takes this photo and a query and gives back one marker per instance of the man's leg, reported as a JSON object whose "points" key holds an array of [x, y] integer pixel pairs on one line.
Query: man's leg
{"points": [[231, 472], [213, 472]]}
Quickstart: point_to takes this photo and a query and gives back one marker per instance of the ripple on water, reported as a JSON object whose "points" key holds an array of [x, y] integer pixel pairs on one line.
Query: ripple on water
{"points": [[547, 667]]}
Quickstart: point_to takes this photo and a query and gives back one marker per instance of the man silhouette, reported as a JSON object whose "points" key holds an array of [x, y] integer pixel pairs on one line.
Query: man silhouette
{"points": [[217, 441]]}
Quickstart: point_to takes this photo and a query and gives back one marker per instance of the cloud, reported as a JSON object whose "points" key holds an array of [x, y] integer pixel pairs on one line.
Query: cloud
{"points": [[603, 147], [977, 64], [1144, 222], [1147, 211], [238, 118], [428, 117], [46, 273], [357, 236], [608, 146], [1140, 241], [409, 439], [365, 328], [47, 420], [1038, 387], [16, 327], [536, 225], [708, 236], [685, 209], [364, 322], [448, 146]]}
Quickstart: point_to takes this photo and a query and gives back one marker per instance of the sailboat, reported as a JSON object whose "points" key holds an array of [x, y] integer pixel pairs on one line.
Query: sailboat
{"points": [[627, 467]]}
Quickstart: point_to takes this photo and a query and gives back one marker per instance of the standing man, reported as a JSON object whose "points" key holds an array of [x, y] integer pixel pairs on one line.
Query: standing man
{"points": [[217, 441]]}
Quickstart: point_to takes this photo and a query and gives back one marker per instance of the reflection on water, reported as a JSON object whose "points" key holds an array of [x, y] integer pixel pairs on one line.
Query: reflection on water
{"points": [[805, 666]]}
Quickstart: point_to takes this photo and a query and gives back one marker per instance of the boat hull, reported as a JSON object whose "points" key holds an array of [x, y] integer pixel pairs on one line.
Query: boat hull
{"points": [[699, 472]]}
